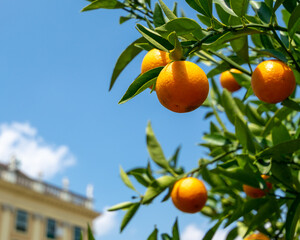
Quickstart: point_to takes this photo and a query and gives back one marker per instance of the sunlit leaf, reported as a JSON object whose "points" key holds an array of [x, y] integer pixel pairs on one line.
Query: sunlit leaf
{"points": [[129, 214], [126, 179], [108, 4]]}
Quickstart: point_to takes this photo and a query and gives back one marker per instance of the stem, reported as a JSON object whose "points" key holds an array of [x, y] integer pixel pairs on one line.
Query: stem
{"points": [[285, 49]]}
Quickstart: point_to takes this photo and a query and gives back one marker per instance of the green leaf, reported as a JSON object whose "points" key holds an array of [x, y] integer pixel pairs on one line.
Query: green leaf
{"points": [[280, 134], [153, 235], [273, 53], [175, 230], [158, 17], [282, 172], [225, 7], [240, 46], [239, 7], [244, 135], [202, 6], [129, 214], [155, 150], [124, 59], [170, 15], [253, 116], [276, 119], [283, 148], [292, 218], [157, 187], [263, 213], [216, 139], [90, 233], [154, 38], [123, 205], [211, 232], [262, 10], [230, 107], [141, 83], [291, 104], [290, 5], [107, 4], [243, 176], [182, 26], [126, 179]]}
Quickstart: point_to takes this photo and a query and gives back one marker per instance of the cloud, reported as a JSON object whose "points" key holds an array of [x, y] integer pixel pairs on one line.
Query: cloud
{"points": [[36, 156], [105, 223], [193, 232]]}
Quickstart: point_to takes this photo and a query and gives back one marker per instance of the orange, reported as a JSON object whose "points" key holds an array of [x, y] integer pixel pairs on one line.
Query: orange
{"points": [[257, 236], [273, 81], [227, 80], [182, 86], [257, 192], [189, 195], [153, 59]]}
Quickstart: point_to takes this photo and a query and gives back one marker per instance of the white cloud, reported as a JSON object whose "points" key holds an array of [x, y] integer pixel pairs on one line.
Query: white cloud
{"points": [[34, 153], [105, 223], [193, 232]]}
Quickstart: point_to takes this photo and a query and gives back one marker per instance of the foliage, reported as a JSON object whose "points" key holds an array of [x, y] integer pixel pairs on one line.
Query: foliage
{"points": [[263, 138]]}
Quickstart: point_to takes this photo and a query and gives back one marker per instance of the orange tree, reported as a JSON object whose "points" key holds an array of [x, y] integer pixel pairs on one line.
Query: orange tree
{"points": [[258, 154]]}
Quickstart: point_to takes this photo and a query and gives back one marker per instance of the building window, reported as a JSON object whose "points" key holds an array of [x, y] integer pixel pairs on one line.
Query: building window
{"points": [[51, 228], [21, 221], [77, 233]]}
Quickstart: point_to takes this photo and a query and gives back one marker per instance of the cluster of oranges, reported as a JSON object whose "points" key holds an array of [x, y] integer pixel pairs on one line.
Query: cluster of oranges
{"points": [[182, 86]]}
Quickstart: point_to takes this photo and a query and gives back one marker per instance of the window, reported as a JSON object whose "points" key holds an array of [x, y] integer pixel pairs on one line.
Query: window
{"points": [[77, 233], [21, 221], [51, 228]]}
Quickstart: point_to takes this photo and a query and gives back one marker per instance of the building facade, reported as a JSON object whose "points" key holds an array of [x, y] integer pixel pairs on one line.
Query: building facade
{"points": [[34, 210]]}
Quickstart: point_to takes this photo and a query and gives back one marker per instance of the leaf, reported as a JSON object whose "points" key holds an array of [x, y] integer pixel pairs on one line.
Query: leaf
{"points": [[216, 139], [155, 150], [154, 38], [282, 172], [124, 59], [292, 218], [202, 6], [240, 46], [119, 206], [157, 187], [182, 26], [280, 134], [211, 232], [158, 17], [239, 7], [290, 5], [170, 15], [291, 104], [153, 235], [262, 10], [274, 53], [129, 214], [126, 179], [244, 135], [141, 83], [253, 116], [225, 7], [107, 4], [263, 213], [287, 147], [230, 107], [90, 233], [175, 230], [276, 119], [243, 176]]}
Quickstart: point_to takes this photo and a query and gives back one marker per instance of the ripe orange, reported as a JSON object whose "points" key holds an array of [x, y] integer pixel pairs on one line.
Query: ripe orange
{"points": [[257, 236], [273, 81], [182, 86], [153, 59], [227, 80], [256, 192], [189, 195]]}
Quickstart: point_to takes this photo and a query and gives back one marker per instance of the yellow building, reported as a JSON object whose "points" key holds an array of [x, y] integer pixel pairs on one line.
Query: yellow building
{"points": [[34, 210]]}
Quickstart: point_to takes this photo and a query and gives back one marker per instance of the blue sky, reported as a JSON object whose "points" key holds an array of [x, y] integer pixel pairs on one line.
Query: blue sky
{"points": [[55, 67]]}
